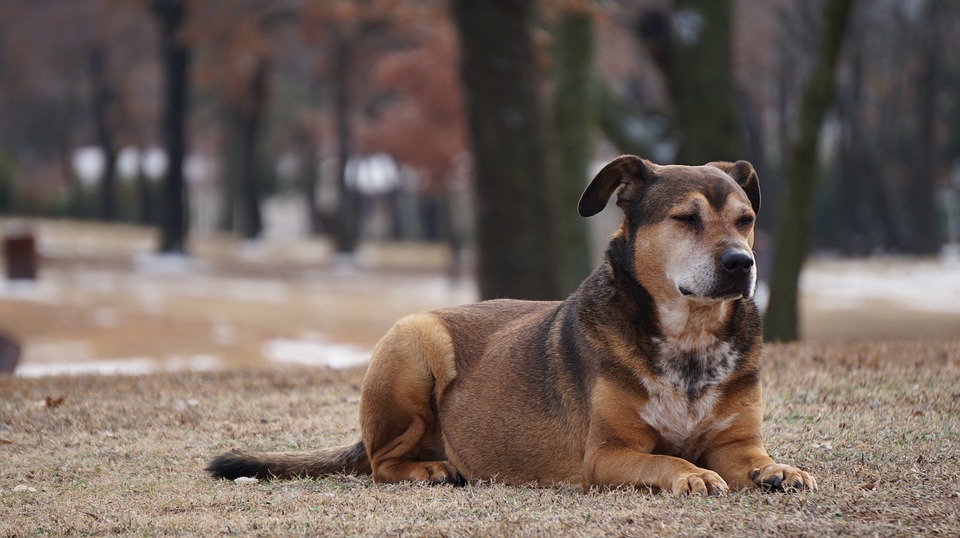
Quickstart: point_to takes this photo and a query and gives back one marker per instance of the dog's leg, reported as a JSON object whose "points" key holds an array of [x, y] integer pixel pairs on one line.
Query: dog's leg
{"points": [[612, 466], [619, 450], [410, 368], [737, 453]]}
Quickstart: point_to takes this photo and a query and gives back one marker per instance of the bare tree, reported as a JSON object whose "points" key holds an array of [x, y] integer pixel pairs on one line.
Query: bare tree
{"points": [[692, 47], [921, 196], [516, 238], [176, 58], [801, 176], [574, 113]]}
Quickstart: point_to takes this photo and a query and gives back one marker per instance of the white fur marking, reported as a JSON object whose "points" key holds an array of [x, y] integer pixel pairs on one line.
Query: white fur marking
{"points": [[680, 407]]}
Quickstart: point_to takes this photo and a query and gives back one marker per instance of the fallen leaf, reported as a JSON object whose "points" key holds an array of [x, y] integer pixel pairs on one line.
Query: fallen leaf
{"points": [[54, 402], [6, 442], [23, 487]]}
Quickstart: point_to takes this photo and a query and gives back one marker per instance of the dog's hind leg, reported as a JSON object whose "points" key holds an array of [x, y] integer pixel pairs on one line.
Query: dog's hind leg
{"points": [[409, 371]]}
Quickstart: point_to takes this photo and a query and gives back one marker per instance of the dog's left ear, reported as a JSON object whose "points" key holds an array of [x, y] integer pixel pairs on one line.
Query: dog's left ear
{"points": [[743, 173], [628, 170]]}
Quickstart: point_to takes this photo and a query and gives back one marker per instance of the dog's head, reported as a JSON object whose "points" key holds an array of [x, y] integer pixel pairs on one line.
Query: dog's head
{"points": [[691, 227]]}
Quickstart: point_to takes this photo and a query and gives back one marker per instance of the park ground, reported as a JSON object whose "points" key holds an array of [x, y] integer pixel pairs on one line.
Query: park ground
{"points": [[226, 350]]}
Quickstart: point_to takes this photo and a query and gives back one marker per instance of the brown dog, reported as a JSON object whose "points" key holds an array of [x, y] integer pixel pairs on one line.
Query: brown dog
{"points": [[647, 375]]}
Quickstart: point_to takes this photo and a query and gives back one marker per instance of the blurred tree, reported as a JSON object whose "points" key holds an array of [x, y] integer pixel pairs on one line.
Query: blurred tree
{"points": [[173, 217], [927, 232], [241, 45], [421, 123], [781, 321], [516, 235], [103, 104], [347, 227], [353, 35], [418, 118], [630, 130], [64, 85], [574, 122], [692, 47]]}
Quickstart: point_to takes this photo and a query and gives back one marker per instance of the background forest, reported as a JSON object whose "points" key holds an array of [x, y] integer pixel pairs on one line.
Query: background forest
{"points": [[477, 124]]}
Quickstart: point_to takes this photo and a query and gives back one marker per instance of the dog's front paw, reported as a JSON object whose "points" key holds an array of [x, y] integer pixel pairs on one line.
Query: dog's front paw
{"points": [[702, 482], [777, 477]]}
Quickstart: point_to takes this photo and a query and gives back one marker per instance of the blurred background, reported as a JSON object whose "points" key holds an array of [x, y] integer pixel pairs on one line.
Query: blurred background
{"points": [[201, 184]]}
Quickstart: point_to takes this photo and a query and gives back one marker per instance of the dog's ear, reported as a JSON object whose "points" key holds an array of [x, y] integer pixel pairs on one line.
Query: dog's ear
{"points": [[743, 173], [628, 170]]}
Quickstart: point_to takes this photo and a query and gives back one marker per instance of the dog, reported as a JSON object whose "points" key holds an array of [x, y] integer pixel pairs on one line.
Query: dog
{"points": [[648, 375]]}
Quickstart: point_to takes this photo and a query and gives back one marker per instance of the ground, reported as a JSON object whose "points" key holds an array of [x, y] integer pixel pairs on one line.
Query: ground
{"points": [[869, 402], [877, 424]]}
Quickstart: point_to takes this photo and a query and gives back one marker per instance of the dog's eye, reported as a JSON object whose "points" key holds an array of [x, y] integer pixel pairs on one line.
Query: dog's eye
{"points": [[691, 219], [745, 221]]}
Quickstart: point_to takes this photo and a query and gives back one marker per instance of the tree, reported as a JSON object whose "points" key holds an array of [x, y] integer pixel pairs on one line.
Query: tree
{"points": [[927, 231], [692, 47], [103, 102], [801, 176], [574, 113], [516, 239], [241, 40], [176, 58]]}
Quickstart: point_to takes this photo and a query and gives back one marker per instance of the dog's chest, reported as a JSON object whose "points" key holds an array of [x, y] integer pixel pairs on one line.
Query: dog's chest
{"points": [[693, 364], [682, 402]]}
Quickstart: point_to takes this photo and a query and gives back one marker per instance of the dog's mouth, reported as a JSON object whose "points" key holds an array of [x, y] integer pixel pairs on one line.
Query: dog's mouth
{"points": [[732, 291]]}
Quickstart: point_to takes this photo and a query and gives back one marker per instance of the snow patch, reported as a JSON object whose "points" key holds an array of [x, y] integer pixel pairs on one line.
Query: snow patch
{"points": [[315, 352], [127, 366], [927, 286]]}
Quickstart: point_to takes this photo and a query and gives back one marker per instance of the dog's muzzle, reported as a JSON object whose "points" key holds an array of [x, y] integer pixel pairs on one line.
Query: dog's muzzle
{"points": [[731, 275]]}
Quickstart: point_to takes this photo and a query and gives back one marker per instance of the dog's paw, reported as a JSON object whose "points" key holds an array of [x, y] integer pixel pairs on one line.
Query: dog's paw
{"points": [[702, 482], [777, 477], [440, 472]]}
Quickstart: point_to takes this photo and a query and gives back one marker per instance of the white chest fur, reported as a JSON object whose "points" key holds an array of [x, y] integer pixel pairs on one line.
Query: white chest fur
{"points": [[681, 404]]}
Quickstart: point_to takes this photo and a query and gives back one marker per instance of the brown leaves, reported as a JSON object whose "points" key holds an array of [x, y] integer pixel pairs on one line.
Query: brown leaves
{"points": [[50, 401]]}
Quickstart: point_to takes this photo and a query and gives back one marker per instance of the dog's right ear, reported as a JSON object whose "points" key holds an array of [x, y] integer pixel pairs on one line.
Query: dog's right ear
{"points": [[630, 171]]}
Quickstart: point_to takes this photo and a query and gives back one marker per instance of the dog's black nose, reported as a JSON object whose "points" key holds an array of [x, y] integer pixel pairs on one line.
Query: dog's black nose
{"points": [[736, 261]]}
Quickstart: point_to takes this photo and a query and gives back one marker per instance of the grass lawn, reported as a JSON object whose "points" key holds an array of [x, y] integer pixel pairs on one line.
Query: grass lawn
{"points": [[878, 424]]}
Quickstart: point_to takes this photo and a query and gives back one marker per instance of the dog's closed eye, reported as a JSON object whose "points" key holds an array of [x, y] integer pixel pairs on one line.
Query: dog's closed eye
{"points": [[690, 219]]}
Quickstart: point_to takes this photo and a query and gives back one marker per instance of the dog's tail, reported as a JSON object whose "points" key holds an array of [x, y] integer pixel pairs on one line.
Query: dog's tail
{"points": [[346, 459]]}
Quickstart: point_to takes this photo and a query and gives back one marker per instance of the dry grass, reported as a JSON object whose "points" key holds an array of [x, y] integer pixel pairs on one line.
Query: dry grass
{"points": [[878, 424]]}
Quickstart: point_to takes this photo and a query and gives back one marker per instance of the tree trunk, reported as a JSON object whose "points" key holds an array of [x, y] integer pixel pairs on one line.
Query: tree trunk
{"points": [[249, 115], [573, 117], [144, 195], [231, 168], [173, 214], [347, 232], [516, 231], [692, 47], [103, 97], [926, 230], [801, 177], [309, 177]]}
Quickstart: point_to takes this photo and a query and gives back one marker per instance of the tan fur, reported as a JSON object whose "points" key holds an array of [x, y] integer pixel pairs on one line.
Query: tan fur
{"points": [[648, 376]]}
